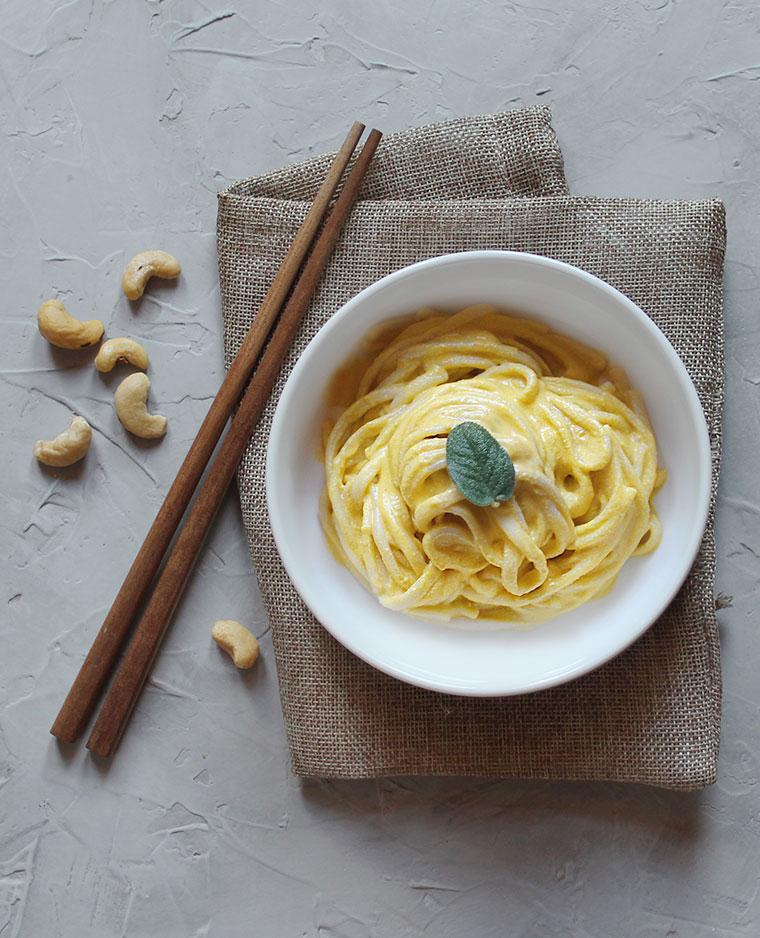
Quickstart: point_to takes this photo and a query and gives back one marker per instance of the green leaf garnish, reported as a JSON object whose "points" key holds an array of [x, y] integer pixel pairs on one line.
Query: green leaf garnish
{"points": [[479, 465]]}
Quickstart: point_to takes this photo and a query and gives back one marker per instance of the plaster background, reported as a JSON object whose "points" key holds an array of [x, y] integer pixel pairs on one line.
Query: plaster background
{"points": [[119, 122]]}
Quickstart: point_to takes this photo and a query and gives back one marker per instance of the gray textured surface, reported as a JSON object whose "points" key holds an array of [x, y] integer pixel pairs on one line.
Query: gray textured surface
{"points": [[119, 122]]}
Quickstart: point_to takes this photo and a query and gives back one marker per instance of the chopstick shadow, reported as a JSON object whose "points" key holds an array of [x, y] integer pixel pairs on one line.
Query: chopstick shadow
{"points": [[70, 752], [67, 751]]}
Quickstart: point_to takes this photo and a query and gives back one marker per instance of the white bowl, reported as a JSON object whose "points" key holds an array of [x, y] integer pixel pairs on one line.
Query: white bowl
{"points": [[462, 657]]}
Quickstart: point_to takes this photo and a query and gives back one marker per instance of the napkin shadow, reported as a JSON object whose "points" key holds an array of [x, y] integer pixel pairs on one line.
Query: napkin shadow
{"points": [[509, 821]]}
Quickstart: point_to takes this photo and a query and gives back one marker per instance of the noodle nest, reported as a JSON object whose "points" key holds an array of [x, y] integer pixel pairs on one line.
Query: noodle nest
{"points": [[584, 454]]}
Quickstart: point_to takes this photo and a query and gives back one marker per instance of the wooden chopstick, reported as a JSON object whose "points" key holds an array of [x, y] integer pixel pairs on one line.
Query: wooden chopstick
{"points": [[146, 641], [84, 693]]}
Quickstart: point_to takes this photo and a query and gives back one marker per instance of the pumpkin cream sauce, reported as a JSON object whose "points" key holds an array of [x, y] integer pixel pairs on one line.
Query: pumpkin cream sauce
{"points": [[422, 533]]}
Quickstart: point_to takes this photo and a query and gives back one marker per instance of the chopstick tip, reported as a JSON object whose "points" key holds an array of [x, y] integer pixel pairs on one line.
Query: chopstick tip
{"points": [[356, 131]]}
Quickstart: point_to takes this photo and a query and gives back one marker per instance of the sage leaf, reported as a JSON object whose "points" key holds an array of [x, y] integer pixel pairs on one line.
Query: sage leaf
{"points": [[479, 465]]}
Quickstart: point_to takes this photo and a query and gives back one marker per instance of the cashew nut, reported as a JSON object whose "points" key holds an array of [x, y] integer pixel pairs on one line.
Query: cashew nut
{"points": [[63, 330], [121, 350], [67, 447], [144, 266], [129, 400], [238, 641]]}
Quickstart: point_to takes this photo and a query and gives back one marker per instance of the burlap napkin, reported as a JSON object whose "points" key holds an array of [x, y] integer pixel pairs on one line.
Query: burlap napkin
{"points": [[651, 715]]}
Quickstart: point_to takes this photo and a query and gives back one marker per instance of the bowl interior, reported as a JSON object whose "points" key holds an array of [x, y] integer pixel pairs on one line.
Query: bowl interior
{"points": [[485, 658]]}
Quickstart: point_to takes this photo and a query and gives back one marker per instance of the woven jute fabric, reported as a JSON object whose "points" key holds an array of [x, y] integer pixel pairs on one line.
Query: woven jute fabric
{"points": [[651, 715]]}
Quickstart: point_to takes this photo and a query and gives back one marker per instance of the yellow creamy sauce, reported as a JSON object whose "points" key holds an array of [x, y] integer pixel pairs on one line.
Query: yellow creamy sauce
{"points": [[584, 454]]}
